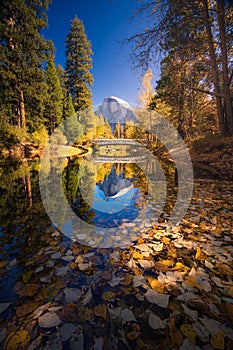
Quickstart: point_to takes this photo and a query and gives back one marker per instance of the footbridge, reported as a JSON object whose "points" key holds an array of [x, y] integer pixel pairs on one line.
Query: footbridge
{"points": [[105, 142]]}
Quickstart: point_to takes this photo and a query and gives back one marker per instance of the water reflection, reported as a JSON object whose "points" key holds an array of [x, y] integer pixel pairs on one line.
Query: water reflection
{"points": [[116, 198]]}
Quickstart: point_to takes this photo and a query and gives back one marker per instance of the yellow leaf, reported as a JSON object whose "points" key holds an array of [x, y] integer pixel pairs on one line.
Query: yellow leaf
{"points": [[137, 255], [176, 335], [187, 330], [192, 282], [127, 280], [17, 340], [165, 240], [133, 332], [156, 285], [108, 295], [101, 311], [217, 340], [88, 314], [198, 253], [203, 226], [168, 262]]}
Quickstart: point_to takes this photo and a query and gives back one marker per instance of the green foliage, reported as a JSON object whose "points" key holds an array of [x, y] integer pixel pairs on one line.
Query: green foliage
{"points": [[23, 51], [10, 135], [78, 65], [73, 128], [54, 103]]}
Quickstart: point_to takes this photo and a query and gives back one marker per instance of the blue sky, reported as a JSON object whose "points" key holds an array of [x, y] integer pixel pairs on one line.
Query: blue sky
{"points": [[106, 22]]}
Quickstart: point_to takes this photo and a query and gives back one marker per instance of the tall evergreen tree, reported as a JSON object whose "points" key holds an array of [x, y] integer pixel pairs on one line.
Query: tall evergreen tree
{"points": [[63, 79], [78, 65], [73, 128], [23, 52], [54, 103]]}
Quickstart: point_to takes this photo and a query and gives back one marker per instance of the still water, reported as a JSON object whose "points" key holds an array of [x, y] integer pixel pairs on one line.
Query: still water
{"points": [[40, 265]]}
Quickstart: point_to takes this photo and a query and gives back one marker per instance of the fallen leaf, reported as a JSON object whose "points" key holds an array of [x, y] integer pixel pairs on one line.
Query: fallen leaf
{"points": [[176, 335], [156, 285], [229, 308], [138, 281], [133, 332], [154, 321], [127, 315], [66, 331], [188, 332], [159, 265], [225, 270], [159, 299], [101, 311], [4, 306], [32, 289], [146, 264], [49, 320], [188, 345], [137, 255], [217, 340], [108, 295], [165, 240], [17, 340]]}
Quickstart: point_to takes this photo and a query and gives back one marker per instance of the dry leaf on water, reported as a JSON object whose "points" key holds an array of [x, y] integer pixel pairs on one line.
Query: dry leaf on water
{"points": [[217, 340], [154, 321], [188, 332], [159, 299], [176, 335], [17, 340]]}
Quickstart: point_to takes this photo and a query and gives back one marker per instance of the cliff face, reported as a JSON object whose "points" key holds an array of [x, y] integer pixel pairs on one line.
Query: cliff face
{"points": [[115, 110]]}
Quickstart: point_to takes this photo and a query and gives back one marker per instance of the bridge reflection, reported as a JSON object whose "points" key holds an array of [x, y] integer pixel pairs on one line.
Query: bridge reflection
{"points": [[124, 159]]}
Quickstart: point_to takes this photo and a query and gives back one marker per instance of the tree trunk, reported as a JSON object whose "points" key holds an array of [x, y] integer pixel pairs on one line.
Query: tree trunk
{"points": [[225, 74], [215, 75], [22, 111]]}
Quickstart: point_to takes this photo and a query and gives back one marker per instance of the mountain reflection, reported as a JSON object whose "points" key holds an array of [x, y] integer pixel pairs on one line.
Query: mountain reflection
{"points": [[115, 194]]}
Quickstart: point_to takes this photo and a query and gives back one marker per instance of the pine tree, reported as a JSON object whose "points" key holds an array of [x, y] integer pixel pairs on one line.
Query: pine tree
{"points": [[23, 52], [78, 65], [73, 128], [54, 103]]}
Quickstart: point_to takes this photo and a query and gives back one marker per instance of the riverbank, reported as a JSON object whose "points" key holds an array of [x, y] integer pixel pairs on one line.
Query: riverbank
{"points": [[212, 157]]}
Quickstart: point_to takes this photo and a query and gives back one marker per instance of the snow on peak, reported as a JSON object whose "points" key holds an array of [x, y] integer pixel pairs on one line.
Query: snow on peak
{"points": [[120, 101]]}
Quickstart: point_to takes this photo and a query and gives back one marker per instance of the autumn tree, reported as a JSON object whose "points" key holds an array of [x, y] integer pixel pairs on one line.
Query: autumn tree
{"points": [[146, 89], [191, 30], [78, 65]]}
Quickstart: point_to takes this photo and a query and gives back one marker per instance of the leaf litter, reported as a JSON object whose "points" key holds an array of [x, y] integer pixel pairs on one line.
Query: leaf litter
{"points": [[172, 289]]}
